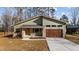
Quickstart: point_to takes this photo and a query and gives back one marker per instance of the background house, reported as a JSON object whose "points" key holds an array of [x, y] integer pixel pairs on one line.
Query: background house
{"points": [[72, 29]]}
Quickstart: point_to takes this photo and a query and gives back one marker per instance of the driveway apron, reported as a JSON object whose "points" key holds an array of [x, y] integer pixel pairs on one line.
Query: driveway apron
{"points": [[61, 44]]}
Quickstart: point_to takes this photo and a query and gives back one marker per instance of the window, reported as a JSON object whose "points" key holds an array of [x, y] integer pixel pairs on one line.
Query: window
{"points": [[59, 25], [47, 25], [53, 25], [18, 30]]}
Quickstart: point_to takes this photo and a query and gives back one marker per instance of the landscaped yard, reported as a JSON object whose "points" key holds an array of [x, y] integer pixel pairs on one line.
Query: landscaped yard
{"points": [[73, 38], [8, 44]]}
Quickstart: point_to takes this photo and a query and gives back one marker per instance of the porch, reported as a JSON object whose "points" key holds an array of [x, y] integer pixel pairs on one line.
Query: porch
{"points": [[32, 32]]}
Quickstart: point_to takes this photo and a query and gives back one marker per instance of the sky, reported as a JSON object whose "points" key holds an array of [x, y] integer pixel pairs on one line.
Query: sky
{"points": [[62, 10], [2, 10], [59, 11]]}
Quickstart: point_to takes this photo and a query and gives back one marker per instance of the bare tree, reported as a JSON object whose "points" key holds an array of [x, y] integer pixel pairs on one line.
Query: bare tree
{"points": [[44, 11], [36, 11], [74, 14], [7, 19], [40, 11], [19, 12], [52, 12], [27, 12], [78, 21]]}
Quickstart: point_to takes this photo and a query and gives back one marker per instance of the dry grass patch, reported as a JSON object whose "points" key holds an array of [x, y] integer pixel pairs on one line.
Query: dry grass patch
{"points": [[73, 38], [9, 44], [23, 45]]}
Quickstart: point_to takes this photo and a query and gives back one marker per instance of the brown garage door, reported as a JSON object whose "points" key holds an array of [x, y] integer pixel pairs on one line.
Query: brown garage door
{"points": [[54, 33]]}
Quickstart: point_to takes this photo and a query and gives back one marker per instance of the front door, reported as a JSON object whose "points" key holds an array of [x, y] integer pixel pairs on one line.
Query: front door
{"points": [[28, 31], [37, 31]]}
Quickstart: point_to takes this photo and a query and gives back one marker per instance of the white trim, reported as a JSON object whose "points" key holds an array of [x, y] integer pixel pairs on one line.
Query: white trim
{"points": [[54, 27]]}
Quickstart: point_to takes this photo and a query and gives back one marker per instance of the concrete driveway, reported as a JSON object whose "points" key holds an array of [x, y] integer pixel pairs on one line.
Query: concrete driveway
{"points": [[61, 44]]}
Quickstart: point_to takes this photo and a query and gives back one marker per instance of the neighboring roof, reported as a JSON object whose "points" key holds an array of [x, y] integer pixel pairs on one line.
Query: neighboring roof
{"points": [[72, 26], [59, 21]]}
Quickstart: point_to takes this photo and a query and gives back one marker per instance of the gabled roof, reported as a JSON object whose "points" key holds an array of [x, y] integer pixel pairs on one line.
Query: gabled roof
{"points": [[51, 19]]}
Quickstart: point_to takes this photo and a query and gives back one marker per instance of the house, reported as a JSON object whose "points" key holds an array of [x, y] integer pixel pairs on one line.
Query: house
{"points": [[71, 29], [41, 26]]}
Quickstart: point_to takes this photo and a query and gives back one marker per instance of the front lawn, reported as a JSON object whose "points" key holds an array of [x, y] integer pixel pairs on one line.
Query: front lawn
{"points": [[10, 44], [23, 45]]}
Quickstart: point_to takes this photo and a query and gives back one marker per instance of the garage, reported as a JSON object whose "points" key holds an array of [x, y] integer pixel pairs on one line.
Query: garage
{"points": [[54, 33]]}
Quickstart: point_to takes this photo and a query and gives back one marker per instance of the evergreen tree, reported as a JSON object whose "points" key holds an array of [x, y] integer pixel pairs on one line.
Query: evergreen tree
{"points": [[64, 18]]}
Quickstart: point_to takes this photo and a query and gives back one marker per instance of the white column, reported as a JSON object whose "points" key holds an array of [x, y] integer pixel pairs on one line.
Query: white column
{"points": [[14, 34], [23, 33], [44, 32], [64, 31]]}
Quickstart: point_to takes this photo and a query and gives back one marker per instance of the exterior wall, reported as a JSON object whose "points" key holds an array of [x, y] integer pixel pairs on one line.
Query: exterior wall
{"points": [[48, 22]]}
